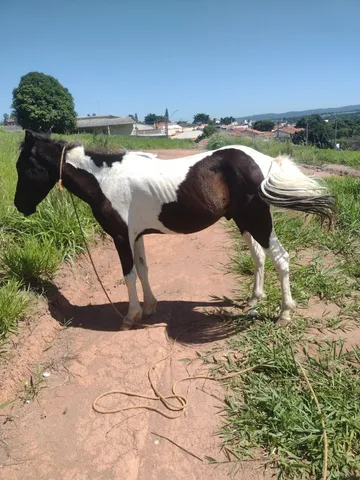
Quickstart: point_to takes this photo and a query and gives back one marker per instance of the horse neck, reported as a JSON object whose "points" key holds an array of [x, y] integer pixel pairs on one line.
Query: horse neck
{"points": [[82, 177], [78, 159]]}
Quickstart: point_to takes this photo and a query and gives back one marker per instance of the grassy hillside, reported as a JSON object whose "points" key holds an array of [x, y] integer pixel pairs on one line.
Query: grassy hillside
{"points": [[302, 113]]}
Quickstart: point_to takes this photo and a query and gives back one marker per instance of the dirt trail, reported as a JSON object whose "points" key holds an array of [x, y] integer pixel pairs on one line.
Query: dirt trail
{"points": [[58, 435]]}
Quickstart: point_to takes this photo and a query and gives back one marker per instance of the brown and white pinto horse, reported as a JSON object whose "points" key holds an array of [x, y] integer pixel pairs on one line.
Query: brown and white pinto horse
{"points": [[135, 193]]}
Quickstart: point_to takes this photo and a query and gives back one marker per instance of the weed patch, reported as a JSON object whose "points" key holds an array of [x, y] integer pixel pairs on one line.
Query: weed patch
{"points": [[14, 305], [271, 409]]}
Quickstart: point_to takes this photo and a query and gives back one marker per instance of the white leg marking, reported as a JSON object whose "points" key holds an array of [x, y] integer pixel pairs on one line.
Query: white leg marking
{"points": [[149, 306], [280, 258], [135, 311], [258, 255]]}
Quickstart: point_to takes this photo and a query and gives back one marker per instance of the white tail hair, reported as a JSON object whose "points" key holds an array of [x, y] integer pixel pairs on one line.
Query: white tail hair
{"points": [[286, 186]]}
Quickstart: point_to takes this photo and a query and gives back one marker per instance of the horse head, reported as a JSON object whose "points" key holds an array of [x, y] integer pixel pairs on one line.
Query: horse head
{"points": [[37, 169]]}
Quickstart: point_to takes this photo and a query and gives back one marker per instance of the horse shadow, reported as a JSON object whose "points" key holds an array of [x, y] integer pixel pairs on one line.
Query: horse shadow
{"points": [[185, 318]]}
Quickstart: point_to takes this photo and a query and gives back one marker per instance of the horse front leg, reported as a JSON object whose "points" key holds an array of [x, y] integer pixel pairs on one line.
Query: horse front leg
{"points": [[142, 269], [125, 252]]}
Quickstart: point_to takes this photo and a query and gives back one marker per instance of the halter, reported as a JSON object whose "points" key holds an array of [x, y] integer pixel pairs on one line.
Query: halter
{"points": [[61, 168]]}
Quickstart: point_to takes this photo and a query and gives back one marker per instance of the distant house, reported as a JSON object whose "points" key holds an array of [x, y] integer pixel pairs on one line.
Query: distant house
{"points": [[173, 128], [107, 124], [285, 133], [11, 125], [256, 134]]}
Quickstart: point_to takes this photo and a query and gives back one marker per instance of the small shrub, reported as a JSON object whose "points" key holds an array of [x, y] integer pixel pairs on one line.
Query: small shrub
{"points": [[218, 140], [31, 263], [14, 305]]}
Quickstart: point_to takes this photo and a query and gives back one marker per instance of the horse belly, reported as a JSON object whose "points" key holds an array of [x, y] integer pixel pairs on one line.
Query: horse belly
{"points": [[199, 204]]}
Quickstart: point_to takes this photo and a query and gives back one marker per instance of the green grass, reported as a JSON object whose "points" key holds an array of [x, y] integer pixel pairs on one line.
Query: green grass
{"points": [[31, 249], [115, 142], [270, 411], [14, 305], [302, 154], [32, 262]]}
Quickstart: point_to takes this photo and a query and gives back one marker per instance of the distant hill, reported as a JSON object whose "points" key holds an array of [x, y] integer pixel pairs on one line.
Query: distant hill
{"points": [[295, 114]]}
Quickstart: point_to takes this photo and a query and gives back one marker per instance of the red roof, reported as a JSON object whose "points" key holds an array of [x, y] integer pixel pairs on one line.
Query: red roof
{"points": [[289, 130], [250, 132], [258, 132]]}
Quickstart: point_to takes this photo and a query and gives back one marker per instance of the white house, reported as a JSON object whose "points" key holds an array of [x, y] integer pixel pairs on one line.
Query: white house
{"points": [[107, 124]]}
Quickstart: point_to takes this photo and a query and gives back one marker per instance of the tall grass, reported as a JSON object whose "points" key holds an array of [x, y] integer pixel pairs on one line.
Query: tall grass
{"points": [[302, 154], [14, 305], [32, 248], [270, 411], [115, 142]]}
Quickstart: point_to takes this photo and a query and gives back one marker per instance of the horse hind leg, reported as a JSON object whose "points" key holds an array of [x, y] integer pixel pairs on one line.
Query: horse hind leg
{"points": [[280, 258], [258, 256], [257, 221]]}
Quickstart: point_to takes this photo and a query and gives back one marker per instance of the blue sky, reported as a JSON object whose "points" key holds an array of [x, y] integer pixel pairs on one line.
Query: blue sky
{"points": [[222, 57]]}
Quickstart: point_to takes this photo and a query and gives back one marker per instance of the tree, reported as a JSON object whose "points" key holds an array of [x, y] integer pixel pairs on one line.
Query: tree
{"points": [[40, 103], [201, 118], [316, 132], [207, 132], [152, 118], [352, 143], [134, 117], [6, 118], [264, 125], [166, 114], [227, 120]]}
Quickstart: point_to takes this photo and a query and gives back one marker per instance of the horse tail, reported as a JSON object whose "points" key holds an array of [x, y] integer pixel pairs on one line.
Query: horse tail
{"points": [[287, 187]]}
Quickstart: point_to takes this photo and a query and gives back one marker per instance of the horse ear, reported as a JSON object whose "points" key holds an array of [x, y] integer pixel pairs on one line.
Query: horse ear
{"points": [[29, 137], [49, 132]]}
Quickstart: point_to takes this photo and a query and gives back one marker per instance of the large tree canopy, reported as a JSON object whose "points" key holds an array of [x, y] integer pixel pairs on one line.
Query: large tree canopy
{"points": [[40, 102], [227, 120], [264, 125], [317, 131], [201, 118], [151, 118]]}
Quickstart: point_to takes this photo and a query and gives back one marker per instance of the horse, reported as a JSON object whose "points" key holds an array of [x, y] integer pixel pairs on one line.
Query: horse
{"points": [[132, 194]]}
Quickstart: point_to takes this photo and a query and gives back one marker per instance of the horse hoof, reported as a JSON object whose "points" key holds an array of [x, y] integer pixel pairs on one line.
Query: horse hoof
{"points": [[250, 304], [282, 322], [126, 326], [149, 309], [130, 321]]}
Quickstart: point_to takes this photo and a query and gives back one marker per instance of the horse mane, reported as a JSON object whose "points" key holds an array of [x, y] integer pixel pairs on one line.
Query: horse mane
{"points": [[97, 154], [44, 137]]}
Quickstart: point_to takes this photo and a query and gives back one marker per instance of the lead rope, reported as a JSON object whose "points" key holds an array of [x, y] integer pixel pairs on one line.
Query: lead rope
{"points": [[92, 261], [164, 399], [61, 168], [62, 158]]}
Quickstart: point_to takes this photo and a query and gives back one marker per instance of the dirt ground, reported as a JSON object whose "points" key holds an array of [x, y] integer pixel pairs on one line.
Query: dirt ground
{"points": [[57, 434]]}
